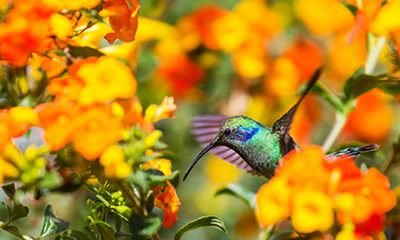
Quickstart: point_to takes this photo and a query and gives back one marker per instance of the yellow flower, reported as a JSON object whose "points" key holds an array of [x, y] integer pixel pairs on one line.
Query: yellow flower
{"points": [[105, 79], [272, 202], [117, 170], [61, 26], [73, 4], [112, 154], [312, 211], [387, 19], [284, 75], [8, 170], [163, 165], [24, 115], [166, 109], [345, 235], [231, 172], [113, 161], [324, 16], [230, 31]]}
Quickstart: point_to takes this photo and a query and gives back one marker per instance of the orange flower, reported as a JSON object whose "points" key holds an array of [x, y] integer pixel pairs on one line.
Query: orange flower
{"points": [[304, 170], [133, 114], [58, 120], [181, 73], [166, 109], [218, 28], [26, 30], [374, 225], [123, 20], [52, 64], [15, 122], [95, 130], [372, 195], [67, 87], [167, 200], [371, 107], [354, 54], [305, 49], [104, 79]]}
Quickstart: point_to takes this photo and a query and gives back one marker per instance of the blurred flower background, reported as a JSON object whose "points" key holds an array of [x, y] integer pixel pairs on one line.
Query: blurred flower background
{"points": [[90, 73]]}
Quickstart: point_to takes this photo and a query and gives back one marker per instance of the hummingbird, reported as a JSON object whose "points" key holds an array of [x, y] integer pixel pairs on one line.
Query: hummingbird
{"points": [[250, 145]]}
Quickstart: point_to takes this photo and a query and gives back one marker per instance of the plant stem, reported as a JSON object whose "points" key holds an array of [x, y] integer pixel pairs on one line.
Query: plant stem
{"points": [[341, 117], [373, 55], [340, 120]]}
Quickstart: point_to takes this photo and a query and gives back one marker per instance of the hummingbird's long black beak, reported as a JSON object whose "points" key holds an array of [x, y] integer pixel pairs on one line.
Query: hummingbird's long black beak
{"points": [[201, 154]]}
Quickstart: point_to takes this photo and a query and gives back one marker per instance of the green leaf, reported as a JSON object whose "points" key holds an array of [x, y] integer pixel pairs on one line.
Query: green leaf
{"points": [[359, 83], [51, 223], [143, 227], [74, 235], [205, 221], [84, 52], [237, 191], [156, 177], [153, 224], [350, 7], [390, 86], [105, 230], [9, 190], [14, 231], [51, 180], [334, 100], [18, 212]]}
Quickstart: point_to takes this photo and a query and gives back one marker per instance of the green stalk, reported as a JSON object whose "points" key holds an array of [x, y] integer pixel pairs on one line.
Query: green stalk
{"points": [[374, 51]]}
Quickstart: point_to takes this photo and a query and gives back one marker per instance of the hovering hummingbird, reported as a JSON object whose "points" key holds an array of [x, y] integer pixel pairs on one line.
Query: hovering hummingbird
{"points": [[252, 146]]}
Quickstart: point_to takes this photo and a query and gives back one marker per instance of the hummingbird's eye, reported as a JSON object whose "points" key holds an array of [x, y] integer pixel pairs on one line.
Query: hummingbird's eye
{"points": [[227, 131]]}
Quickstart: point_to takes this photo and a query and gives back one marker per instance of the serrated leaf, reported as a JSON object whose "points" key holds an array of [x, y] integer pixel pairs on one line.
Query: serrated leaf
{"points": [[105, 230], [84, 52], [51, 223], [237, 191], [205, 221], [73, 235]]}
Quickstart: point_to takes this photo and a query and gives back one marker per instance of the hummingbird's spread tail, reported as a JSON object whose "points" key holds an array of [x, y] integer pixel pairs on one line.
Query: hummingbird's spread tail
{"points": [[353, 152]]}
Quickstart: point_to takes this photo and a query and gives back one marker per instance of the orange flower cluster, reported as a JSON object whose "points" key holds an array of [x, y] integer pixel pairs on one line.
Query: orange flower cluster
{"points": [[312, 189], [85, 111], [371, 107], [26, 30], [123, 19], [15, 122], [165, 196], [33, 26]]}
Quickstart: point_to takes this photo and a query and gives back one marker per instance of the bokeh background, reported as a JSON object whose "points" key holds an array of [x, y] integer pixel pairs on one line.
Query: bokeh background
{"points": [[248, 57]]}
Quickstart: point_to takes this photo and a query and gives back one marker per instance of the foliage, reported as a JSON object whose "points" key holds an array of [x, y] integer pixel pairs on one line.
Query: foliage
{"points": [[85, 148]]}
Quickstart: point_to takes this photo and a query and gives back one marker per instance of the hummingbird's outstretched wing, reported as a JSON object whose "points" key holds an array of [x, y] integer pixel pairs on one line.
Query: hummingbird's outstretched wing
{"points": [[205, 128], [282, 125]]}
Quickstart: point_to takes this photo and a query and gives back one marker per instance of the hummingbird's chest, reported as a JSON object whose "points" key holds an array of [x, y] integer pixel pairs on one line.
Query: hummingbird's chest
{"points": [[262, 152]]}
